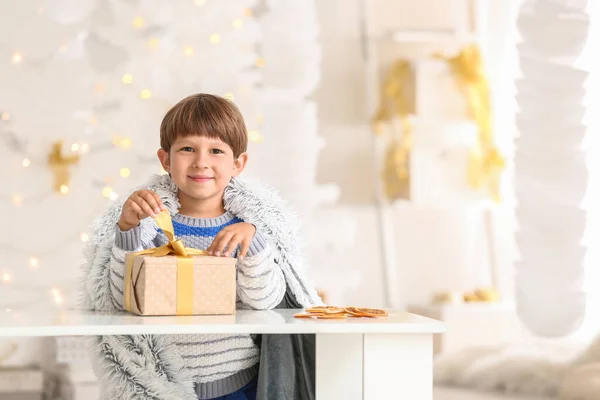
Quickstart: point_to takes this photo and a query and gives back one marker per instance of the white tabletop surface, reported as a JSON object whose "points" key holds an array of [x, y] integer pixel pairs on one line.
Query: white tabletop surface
{"points": [[77, 322]]}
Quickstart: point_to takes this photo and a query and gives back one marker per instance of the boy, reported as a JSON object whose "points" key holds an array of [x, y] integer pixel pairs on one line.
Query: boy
{"points": [[203, 142]]}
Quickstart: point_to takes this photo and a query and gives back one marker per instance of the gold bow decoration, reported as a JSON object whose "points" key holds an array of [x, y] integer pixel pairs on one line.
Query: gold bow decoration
{"points": [[486, 163], [395, 104], [60, 167], [185, 266]]}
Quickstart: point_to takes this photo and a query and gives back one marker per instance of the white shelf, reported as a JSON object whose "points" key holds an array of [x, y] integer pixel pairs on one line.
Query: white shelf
{"points": [[410, 205], [430, 36], [79, 323]]}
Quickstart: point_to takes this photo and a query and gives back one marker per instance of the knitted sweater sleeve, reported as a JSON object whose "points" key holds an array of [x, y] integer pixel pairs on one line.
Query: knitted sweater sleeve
{"points": [[260, 281], [125, 242]]}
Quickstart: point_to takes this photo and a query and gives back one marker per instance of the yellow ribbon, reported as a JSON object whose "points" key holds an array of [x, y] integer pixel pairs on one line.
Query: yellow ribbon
{"points": [[396, 101], [185, 266], [486, 163]]}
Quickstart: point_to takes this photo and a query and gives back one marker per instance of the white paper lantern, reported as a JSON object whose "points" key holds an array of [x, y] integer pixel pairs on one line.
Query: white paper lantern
{"points": [[551, 173]]}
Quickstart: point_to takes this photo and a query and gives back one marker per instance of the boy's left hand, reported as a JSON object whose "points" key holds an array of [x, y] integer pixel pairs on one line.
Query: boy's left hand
{"points": [[231, 237]]}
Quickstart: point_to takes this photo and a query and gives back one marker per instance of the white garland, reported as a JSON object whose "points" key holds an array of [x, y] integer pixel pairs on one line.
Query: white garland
{"points": [[551, 174]]}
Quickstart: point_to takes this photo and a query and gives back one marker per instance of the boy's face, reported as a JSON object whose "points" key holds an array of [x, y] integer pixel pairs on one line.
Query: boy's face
{"points": [[201, 167]]}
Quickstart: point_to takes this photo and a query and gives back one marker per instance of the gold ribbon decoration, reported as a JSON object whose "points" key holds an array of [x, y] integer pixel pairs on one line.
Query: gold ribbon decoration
{"points": [[60, 166], [486, 163], [185, 266], [395, 103]]}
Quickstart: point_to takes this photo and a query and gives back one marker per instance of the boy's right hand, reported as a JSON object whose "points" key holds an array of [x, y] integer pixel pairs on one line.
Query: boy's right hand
{"points": [[141, 204]]}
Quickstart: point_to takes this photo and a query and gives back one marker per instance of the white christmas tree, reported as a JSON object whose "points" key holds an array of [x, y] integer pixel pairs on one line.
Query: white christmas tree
{"points": [[108, 72]]}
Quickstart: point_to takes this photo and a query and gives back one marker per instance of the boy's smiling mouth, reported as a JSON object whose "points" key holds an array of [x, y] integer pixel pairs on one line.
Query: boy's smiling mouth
{"points": [[200, 178]]}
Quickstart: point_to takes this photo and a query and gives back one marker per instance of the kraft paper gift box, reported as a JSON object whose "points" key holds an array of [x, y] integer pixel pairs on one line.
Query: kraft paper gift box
{"points": [[175, 280]]}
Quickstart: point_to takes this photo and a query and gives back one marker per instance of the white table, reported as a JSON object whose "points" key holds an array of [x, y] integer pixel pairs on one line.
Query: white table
{"points": [[357, 358]]}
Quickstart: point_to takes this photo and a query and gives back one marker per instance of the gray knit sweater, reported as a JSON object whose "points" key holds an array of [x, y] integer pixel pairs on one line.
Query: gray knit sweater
{"points": [[219, 364]]}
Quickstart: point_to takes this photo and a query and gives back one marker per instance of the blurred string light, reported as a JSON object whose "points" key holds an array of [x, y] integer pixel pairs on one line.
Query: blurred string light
{"points": [[153, 42], [188, 51], [138, 22], [18, 59], [145, 94], [99, 88], [255, 136], [122, 142], [108, 192], [56, 293], [238, 23], [17, 200], [127, 79]]}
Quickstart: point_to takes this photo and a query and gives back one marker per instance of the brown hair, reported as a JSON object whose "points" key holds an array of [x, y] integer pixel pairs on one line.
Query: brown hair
{"points": [[205, 115]]}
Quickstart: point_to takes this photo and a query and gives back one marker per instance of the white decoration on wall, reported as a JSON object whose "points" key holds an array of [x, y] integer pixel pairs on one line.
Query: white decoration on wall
{"points": [[551, 174], [290, 151], [68, 11]]}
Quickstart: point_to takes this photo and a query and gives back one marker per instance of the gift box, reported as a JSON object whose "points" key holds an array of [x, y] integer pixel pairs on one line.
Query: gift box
{"points": [[176, 280]]}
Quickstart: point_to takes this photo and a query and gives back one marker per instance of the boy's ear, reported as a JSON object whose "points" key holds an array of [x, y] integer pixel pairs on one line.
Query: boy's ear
{"points": [[239, 164], [163, 157]]}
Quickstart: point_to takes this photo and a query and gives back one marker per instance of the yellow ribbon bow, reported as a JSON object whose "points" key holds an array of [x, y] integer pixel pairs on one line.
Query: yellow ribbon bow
{"points": [[486, 163], [185, 266]]}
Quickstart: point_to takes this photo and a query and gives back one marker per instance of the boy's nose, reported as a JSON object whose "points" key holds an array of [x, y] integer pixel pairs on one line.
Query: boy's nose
{"points": [[201, 160]]}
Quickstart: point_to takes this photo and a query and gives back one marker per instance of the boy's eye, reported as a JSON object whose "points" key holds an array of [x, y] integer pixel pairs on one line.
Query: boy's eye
{"points": [[217, 151], [187, 148]]}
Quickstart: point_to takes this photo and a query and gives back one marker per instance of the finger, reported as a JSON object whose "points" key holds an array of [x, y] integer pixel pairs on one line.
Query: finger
{"points": [[158, 201], [213, 245], [216, 240], [143, 204], [244, 249], [137, 210], [233, 244], [221, 244], [148, 196]]}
